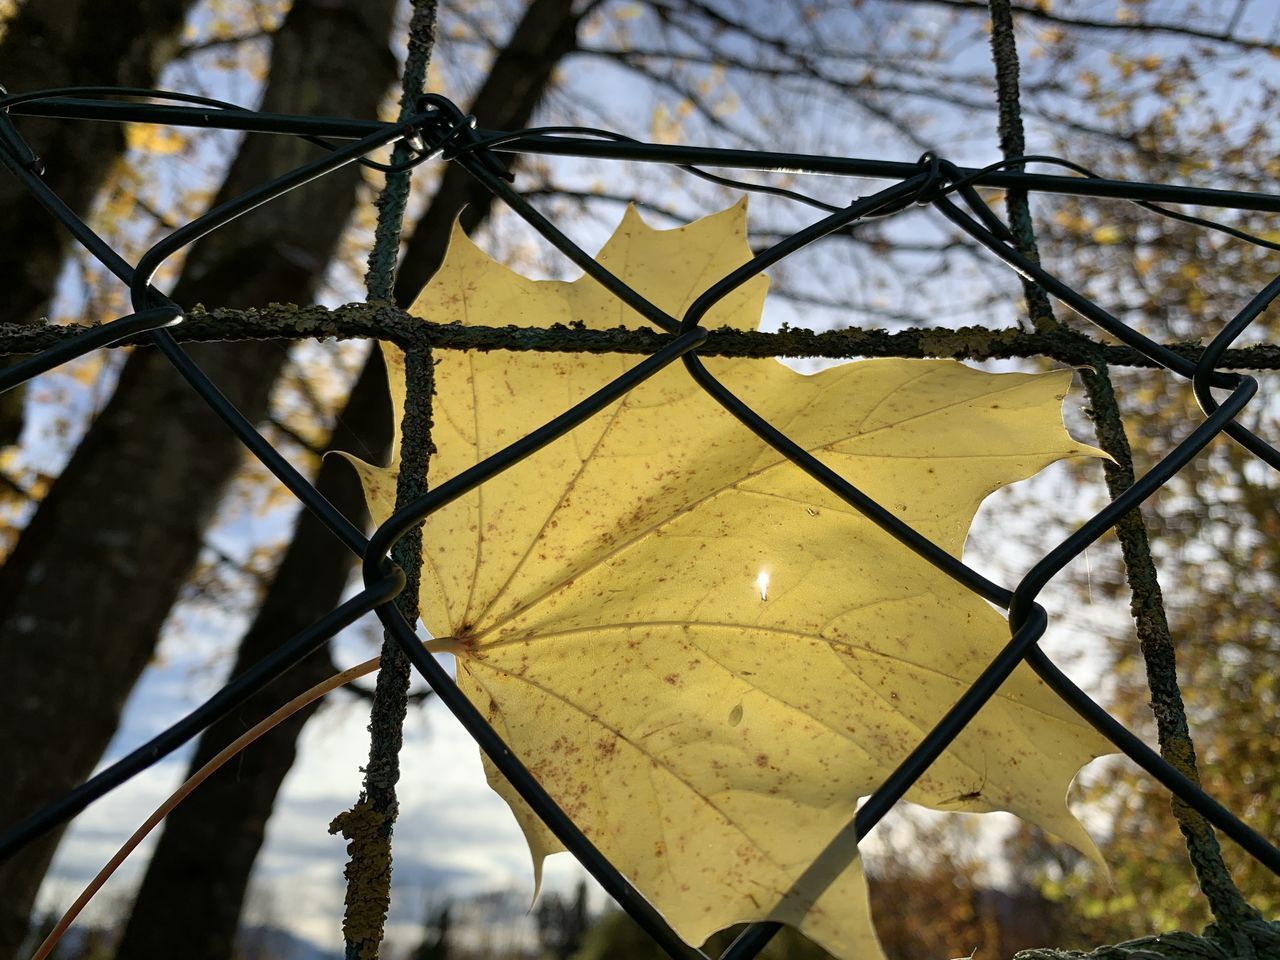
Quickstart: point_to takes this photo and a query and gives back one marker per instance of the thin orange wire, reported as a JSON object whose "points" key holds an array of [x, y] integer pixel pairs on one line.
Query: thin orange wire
{"points": [[197, 778]]}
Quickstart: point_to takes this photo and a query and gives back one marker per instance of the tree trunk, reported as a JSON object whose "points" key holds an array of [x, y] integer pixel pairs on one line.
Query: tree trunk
{"points": [[546, 34], [92, 578], [56, 43], [188, 896]]}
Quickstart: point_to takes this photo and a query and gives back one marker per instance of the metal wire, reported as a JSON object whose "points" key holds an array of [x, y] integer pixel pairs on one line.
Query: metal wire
{"points": [[441, 126], [234, 693]]}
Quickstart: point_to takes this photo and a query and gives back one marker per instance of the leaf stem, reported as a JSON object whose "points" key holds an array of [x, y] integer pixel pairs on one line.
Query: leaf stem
{"points": [[231, 750]]}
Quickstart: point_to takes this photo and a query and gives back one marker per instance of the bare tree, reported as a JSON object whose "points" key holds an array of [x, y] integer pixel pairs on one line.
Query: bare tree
{"points": [[57, 43], [185, 892], [133, 502]]}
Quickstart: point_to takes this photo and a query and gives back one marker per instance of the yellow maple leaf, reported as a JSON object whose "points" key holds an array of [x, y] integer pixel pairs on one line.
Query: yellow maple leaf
{"points": [[704, 656]]}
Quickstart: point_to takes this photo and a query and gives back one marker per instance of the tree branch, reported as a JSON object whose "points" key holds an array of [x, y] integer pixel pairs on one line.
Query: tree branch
{"points": [[382, 321], [223, 43], [1043, 14], [1263, 938], [1229, 907]]}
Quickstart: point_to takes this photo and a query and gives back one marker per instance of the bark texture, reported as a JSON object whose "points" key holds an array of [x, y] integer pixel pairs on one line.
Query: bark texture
{"points": [[58, 43], [186, 893], [188, 896], [92, 579]]}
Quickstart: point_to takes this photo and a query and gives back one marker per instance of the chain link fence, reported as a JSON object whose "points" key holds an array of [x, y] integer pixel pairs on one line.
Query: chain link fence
{"points": [[434, 127]]}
